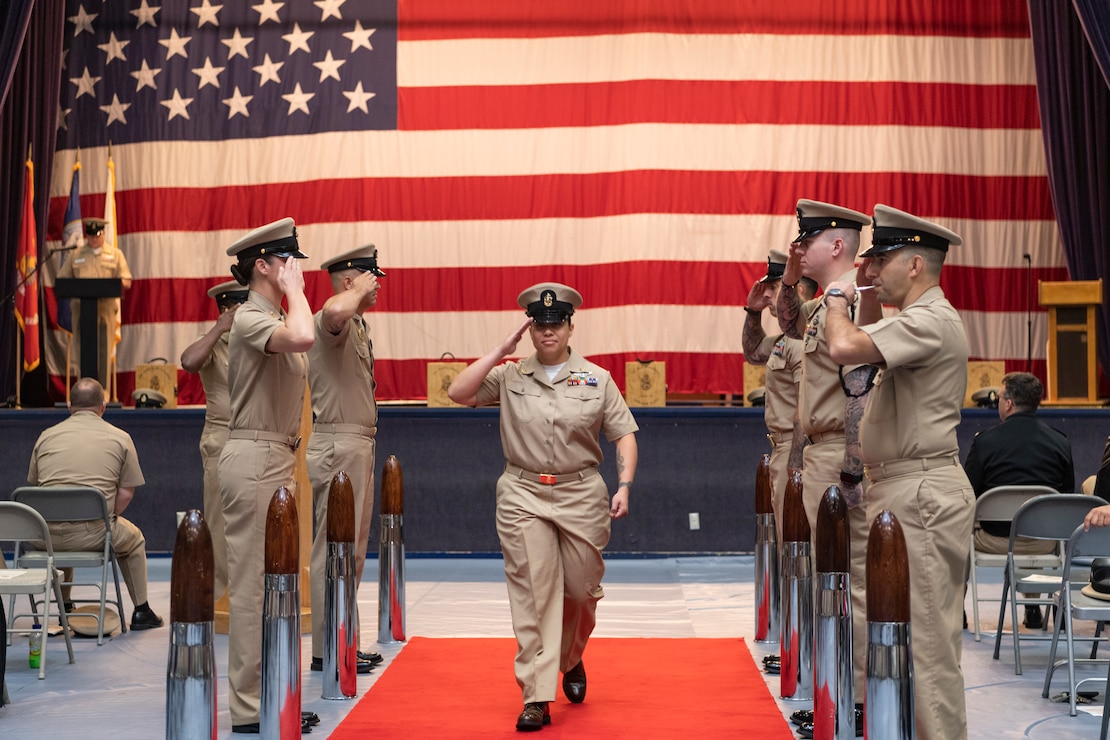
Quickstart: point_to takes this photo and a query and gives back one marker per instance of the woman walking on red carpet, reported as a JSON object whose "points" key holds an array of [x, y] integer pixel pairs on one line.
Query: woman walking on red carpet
{"points": [[553, 508]]}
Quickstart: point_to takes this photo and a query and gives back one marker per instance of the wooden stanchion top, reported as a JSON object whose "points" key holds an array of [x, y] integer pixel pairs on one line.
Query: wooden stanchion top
{"points": [[192, 573], [888, 571], [282, 537], [393, 487], [833, 535], [763, 486], [341, 509], [795, 525]]}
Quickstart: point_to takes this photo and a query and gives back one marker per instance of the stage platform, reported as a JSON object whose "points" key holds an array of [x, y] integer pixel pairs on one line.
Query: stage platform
{"points": [[692, 460]]}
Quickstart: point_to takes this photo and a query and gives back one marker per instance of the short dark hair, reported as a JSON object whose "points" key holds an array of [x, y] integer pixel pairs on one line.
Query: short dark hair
{"points": [[86, 393], [1023, 389], [807, 288]]}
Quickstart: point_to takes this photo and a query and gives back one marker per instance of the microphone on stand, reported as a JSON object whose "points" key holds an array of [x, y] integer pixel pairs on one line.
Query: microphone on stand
{"points": [[63, 249], [1028, 311]]}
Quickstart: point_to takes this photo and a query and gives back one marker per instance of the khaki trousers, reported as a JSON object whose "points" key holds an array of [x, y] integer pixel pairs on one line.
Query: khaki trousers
{"points": [[328, 454], [250, 472], [212, 441], [127, 541], [822, 463], [551, 539], [780, 457], [936, 510]]}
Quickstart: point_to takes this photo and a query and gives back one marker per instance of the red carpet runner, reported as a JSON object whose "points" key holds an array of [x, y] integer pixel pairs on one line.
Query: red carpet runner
{"points": [[637, 688]]}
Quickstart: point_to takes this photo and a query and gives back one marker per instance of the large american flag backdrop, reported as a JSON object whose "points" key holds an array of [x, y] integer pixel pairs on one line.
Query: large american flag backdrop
{"points": [[648, 152]]}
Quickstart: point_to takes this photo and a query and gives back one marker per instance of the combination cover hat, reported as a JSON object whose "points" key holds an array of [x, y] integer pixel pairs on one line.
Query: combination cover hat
{"points": [[364, 258], [148, 398], [894, 229], [815, 216], [278, 238], [549, 303], [776, 266], [228, 292], [94, 225]]}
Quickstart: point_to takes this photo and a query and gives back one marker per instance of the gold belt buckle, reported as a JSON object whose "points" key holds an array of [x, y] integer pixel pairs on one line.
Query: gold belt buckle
{"points": [[296, 444], [547, 479]]}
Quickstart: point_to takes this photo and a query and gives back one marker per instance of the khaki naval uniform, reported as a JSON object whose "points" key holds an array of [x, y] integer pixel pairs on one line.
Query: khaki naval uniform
{"points": [[911, 457], [341, 378], [217, 412], [110, 263], [552, 534], [784, 375], [267, 399], [821, 400], [85, 450]]}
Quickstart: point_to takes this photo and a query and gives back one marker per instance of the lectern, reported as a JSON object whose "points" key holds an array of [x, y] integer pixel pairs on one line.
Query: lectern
{"points": [[89, 291], [1072, 368]]}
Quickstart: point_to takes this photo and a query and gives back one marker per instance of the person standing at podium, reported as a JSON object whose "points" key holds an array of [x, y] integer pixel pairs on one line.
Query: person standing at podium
{"points": [[96, 259], [267, 373]]}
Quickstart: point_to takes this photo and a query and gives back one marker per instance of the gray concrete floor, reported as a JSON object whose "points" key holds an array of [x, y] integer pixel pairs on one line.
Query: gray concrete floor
{"points": [[118, 690]]}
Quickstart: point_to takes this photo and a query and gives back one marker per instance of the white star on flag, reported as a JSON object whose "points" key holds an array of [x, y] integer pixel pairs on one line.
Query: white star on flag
{"points": [[175, 45], [268, 71], [358, 99], [360, 37], [177, 105], [115, 110], [237, 104], [267, 11], [237, 45], [85, 83], [83, 21], [144, 14], [329, 67], [206, 13], [298, 39], [144, 76], [114, 49], [329, 8], [298, 100], [208, 74]]}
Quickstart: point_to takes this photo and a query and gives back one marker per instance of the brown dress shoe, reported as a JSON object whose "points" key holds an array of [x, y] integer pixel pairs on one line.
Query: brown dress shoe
{"points": [[534, 717], [574, 683]]}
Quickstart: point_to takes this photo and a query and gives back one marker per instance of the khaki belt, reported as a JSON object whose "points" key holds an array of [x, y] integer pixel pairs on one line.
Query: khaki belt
{"points": [[358, 429], [550, 479], [895, 468], [820, 437], [257, 434], [778, 438]]}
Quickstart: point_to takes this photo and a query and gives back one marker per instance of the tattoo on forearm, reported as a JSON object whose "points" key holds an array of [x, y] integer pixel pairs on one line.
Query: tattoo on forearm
{"points": [[620, 464], [853, 416], [797, 444], [789, 307], [752, 341]]}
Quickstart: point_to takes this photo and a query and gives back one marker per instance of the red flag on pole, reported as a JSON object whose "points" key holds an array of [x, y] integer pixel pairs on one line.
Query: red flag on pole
{"points": [[27, 293]]}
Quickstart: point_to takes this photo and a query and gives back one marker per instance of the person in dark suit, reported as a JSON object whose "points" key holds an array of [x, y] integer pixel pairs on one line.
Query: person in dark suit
{"points": [[1022, 450]]}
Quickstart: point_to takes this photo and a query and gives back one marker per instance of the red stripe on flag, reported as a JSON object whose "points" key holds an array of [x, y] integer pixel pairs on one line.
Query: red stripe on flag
{"points": [[718, 102], [452, 19]]}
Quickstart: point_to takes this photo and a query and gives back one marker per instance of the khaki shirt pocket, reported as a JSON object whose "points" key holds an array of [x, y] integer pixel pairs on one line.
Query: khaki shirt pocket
{"points": [[521, 400], [584, 405]]}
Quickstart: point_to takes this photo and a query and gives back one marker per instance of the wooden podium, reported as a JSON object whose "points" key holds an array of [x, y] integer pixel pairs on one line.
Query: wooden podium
{"points": [[1072, 368], [90, 291]]}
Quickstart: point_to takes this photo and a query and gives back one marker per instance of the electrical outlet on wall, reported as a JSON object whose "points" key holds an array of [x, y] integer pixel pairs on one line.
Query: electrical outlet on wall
{"points": [[695, 520]]}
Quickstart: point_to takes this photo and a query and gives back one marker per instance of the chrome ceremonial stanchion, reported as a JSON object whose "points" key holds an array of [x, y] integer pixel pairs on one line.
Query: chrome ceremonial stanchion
{"points": [[888, 706], [796, 646], [834, 715], [391, 556], [766, 558], [281, 623], [340, 608], [191, 669]]}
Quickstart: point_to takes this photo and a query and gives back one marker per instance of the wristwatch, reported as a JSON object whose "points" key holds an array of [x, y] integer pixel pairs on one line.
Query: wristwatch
{"points": [[850, 479], [834, 293]]}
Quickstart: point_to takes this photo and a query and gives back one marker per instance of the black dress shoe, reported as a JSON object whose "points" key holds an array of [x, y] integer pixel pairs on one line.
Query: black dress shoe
{"points": [[371, 658], [252, 728], [1033, 618], [310, 718], [769, 659], [574, 683], [802, 716], [806, 728], [361, 666], [535, 715], [146, 620], [773, 669]]}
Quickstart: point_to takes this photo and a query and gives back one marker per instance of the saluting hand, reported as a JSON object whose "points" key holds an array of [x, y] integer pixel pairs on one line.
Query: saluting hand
{"points": [[509, 345], [290, 277], [226, 317], [792, 273]]}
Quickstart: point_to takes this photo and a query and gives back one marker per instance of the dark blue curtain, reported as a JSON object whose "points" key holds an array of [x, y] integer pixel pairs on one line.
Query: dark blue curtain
{"points": [[1071, 48], [31, 74]]}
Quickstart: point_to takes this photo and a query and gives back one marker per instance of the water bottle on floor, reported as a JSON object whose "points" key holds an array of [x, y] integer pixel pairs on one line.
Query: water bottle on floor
{"points": [[35, 656]]}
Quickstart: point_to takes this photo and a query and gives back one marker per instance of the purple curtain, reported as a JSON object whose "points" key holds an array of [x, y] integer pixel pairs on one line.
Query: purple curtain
{"points": [[1071, 48], [31, 71]]}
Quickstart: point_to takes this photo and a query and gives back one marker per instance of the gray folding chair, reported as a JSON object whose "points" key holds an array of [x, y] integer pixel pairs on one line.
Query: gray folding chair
{"points": [[1050, 517], [998, 505], [76, 504], [20, 523], [1074, 604]]}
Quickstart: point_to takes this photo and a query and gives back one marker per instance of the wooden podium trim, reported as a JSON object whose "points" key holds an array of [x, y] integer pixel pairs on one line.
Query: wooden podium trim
{"points": [[1070, 293]]}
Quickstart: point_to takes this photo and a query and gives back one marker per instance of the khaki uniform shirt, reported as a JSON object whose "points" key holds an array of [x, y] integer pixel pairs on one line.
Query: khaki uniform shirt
{"points": [[213, 375], [821, 398], [341, 375], [85, 450], [784, 374], [258, 381], [552, 426], [914, 408], [85, 263]]}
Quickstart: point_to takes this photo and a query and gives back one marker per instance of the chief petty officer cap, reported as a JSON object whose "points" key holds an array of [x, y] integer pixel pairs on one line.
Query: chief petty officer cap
{"points": [[94, 225], [278, 238], [549, 303], [776, 266], [894, 229], [814, 217], [148, 398], [228, 292], [364, 258]]}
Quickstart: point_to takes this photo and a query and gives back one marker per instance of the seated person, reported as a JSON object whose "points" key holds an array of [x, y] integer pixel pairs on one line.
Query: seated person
{"points": [[85, 450], [1102, 478], [1022, 450]]}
